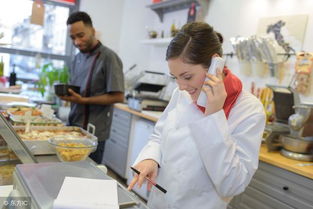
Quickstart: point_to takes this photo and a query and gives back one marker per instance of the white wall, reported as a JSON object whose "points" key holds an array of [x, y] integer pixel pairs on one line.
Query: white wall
{"points": [[107, 18], [241, 17], [229, 17], [135, 18], [123, 25]]}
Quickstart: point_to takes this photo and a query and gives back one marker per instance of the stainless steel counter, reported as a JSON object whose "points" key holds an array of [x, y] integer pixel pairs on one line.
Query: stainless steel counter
{"points": [[43, 181]]}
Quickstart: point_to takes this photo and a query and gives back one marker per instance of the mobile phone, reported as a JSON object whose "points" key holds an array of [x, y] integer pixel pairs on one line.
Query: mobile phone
{"points": [[216, 63]]}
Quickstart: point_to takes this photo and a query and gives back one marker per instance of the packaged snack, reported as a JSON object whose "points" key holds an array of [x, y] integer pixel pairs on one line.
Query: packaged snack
{"points": [[303, 69]]}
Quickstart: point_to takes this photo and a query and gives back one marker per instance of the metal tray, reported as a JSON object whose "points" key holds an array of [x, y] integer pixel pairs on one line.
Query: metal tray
{"points": [[42, 147], [9, 162], [35, 120], [8, 155], [6, 176], [3, 154]]}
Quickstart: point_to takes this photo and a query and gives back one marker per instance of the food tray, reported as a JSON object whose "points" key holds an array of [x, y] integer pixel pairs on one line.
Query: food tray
{"points": [[18, 120], [7, 166], [4, 153], [39, 146], [2, 141], [6, 171], [22, 110], [9, 162], [7, 154]]}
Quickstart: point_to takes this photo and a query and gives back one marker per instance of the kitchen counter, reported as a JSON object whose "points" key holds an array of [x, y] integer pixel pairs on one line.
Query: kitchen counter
{"points": [[149, 115], [273, 158]]}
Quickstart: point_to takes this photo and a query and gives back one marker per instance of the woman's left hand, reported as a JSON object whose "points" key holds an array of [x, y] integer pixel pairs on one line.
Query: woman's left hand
{"points": [[215, 91]]}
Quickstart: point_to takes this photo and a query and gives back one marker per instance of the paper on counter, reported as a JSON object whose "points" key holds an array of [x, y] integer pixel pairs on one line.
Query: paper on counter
{"points": [[83, 193]]}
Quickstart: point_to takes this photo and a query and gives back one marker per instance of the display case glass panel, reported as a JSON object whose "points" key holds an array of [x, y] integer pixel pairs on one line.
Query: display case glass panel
{"points": [[13, 151]]}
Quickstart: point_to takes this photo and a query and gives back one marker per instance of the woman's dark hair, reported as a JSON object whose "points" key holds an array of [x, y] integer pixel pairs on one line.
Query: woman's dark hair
{"points": [[79, 16], [195, 43]]}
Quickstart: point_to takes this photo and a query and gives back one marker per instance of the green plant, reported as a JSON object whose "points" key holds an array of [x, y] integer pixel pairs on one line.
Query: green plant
{"points": [[49, 75]]}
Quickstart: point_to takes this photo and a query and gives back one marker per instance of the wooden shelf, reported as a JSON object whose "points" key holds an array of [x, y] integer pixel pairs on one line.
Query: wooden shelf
{"points": [[157, 41], [5, 44], [170, 6]]}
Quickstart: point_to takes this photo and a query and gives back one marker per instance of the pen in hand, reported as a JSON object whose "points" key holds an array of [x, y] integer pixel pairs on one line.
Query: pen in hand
{"points": [[155, 184]]}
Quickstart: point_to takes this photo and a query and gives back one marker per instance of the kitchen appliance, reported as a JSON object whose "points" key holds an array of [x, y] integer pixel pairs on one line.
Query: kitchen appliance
{"points": [[299, 143], [283, 99], [301, 123], [144, 90], [296, 156]]}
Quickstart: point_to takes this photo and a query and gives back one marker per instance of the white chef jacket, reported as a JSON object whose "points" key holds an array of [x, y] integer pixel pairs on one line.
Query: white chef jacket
{"points": [[204, 160]]}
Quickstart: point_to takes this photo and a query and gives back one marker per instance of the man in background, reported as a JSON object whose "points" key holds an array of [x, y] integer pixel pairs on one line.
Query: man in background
{"points": [[99, 73]]}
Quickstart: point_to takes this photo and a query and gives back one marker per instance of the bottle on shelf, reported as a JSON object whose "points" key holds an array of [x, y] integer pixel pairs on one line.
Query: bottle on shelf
{"points": [[1, 67], [192, 13], [174, 30], [2, 77], [12, 79], [156, 1]]}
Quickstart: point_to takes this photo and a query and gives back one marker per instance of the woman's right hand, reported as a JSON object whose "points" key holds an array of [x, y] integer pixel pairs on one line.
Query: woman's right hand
{"points": [[215, 91], [147, 168]]}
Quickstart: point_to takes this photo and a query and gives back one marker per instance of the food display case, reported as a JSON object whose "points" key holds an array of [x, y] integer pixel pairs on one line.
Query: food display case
{"points": [[12, 151], [39, 178]]}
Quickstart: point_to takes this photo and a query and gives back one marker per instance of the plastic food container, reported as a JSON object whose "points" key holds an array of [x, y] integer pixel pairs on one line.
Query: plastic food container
{"points": [[62, 89], [73, 149]]}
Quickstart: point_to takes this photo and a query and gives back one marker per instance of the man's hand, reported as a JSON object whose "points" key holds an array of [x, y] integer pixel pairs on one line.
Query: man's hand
{"points": [[75, 98], [104, 99]]}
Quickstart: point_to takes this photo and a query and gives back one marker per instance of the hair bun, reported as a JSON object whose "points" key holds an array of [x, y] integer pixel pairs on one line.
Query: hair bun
{"points": [[220, 37]]}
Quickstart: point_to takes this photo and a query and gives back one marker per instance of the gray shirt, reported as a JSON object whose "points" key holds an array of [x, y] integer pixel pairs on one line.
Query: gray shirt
{"points": [[107, 77]]}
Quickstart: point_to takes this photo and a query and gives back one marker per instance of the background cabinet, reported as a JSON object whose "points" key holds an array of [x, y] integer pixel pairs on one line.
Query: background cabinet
{"points": [[141, 130], [129, 134], [116, 147], [275, 188]]}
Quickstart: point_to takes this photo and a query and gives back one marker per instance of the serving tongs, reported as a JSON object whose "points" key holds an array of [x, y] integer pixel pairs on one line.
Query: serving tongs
{"points": [[28, 120]]}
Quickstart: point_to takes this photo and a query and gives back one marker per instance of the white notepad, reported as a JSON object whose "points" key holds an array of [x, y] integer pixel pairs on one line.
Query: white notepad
{"points": [[83, 193]]}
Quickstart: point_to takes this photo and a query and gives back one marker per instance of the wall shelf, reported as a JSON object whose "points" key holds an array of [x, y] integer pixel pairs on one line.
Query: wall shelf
{"points": [[170, 6], [157, 41]]}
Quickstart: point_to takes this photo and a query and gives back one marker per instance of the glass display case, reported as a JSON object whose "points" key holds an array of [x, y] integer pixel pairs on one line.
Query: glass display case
{"points": [[31, 175], [13, 151]]}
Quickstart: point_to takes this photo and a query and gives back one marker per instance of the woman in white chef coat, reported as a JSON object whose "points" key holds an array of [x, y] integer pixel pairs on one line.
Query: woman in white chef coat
{"points": [[201, 156]]}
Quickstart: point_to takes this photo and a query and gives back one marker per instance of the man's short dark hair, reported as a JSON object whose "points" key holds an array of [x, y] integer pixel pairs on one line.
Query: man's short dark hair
{"points": [[79, 16]]}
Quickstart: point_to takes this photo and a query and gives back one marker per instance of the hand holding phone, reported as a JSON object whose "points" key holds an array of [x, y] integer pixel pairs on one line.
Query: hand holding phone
{"points": [[216, 63]]}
